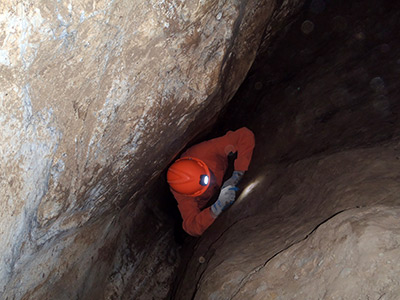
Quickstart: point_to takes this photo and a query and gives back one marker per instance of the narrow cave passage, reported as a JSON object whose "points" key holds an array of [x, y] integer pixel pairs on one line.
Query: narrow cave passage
{"points": [[318, 207], [99, 97], [323, 104]]}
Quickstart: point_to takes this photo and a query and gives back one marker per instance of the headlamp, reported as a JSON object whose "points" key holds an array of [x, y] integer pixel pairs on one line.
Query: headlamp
{"points": [[204, 180]]}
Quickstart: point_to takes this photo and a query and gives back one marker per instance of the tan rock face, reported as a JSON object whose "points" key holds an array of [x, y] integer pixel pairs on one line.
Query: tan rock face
{"points": [[96, 98], [353, 255]]}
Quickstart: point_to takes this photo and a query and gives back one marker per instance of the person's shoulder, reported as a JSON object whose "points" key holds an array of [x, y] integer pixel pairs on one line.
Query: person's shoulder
{"points": [[183, 198], [245, 130]]}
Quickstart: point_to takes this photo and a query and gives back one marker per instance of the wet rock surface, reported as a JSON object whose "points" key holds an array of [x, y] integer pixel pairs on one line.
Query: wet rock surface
{"points": [[324, 177]]}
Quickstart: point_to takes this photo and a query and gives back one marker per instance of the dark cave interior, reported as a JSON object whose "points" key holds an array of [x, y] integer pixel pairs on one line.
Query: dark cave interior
{"points": [[328, 83]]}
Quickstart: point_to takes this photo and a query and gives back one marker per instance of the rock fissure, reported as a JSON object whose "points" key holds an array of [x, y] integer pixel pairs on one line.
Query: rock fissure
{"points": [[203, 266], [260, 267]]}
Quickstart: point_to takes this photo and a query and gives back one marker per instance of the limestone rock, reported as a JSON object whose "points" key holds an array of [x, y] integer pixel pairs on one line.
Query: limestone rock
{"points": [[354, 255], [97, 97]]}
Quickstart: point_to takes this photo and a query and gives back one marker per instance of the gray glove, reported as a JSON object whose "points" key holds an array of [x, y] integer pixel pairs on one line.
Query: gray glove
{"points": [[225, 199], [234, 180]]}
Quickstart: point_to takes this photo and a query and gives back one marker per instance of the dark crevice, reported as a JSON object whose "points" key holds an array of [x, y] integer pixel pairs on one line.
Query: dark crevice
{"points": [[210, 254]]}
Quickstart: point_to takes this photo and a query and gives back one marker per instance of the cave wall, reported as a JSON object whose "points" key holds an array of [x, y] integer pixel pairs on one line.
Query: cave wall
{"points": [[246, 253], [97, 97], [317, 214]]}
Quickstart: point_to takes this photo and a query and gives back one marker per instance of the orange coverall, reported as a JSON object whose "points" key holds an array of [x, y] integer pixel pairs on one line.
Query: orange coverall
{"points": [[214, 153]]}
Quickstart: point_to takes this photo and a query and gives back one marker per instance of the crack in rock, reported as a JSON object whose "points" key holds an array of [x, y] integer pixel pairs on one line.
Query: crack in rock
{"points": [[260, 267]]}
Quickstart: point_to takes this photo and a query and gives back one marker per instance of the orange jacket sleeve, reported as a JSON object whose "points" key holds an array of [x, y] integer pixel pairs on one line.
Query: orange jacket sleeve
{"points": [[195, 222], [242, 141]]}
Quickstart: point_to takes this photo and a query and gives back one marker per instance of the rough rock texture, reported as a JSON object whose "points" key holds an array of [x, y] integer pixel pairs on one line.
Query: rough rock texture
{"points": [[96, 98], [281, 206], [354, 255], [325, 112]]}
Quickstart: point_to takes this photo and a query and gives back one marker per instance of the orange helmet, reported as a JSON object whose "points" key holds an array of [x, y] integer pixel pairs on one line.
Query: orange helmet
{"points": [[189, 176]]}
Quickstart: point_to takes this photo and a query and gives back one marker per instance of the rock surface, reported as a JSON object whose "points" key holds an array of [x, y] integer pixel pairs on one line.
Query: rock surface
{"points": [[97, 97], [325, 113], [354, 255], [279, 209]]}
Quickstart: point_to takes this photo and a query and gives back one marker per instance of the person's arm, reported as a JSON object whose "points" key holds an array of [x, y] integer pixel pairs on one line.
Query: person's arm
{"points": [[241, 141], [195, 222]]}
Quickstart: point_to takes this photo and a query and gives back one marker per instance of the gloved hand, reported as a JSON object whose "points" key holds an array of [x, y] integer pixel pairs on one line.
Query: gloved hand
{"points": [[234, 180], [225, 199]]}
